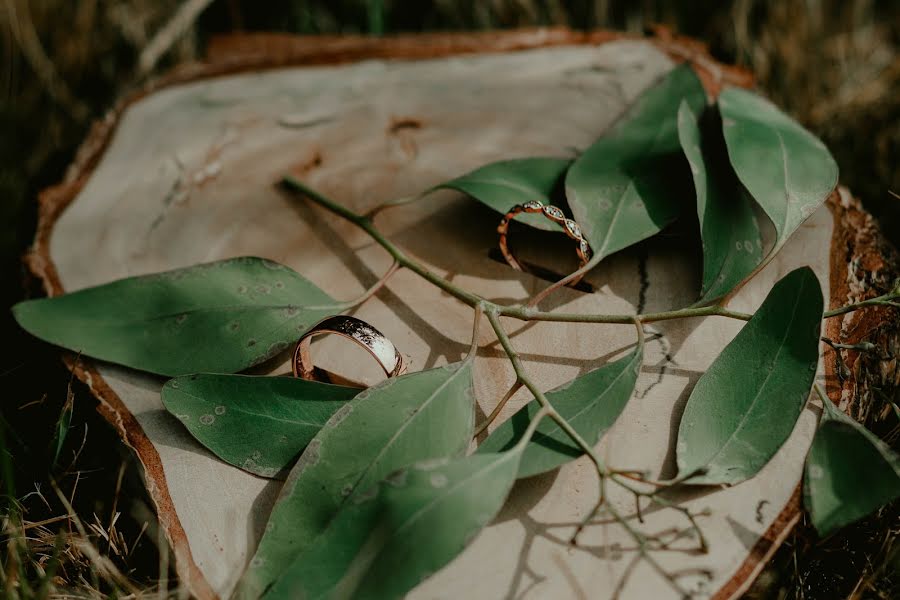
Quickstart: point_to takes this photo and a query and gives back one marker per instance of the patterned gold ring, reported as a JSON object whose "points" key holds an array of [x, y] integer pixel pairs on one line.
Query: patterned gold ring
{"points": [[553, 213], [357, 330]]}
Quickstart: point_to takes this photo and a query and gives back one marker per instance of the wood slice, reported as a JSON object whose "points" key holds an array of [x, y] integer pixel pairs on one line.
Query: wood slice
{"points": [[186, 172]]}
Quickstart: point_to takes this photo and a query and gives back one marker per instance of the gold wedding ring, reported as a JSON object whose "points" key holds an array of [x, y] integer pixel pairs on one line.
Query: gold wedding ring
{"points": [[555, 214], [353, 329]]}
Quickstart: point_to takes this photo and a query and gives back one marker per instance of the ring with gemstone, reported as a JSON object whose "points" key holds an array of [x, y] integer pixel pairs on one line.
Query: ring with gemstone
{"points": [[357, 330], [555, 214]]}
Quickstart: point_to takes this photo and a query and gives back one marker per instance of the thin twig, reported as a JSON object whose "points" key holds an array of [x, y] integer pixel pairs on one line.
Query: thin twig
{"points": [[515, 387], [571, 278], [391, 204], [374, 288], [476, 326]]}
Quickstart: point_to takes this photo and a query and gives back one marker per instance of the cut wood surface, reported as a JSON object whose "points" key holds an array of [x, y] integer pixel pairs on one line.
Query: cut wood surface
{"points": [[186, 173]]}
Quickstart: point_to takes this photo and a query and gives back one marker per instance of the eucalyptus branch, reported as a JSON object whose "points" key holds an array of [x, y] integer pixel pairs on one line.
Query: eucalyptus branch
{"points": [[526, 312], [522, 313]]}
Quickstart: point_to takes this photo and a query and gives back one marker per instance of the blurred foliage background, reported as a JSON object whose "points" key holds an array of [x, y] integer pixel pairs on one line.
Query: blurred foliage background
{"points": [[832, 64]]}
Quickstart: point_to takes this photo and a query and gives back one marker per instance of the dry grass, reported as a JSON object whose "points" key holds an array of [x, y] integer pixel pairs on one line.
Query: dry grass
{"points": [[75, 521]]}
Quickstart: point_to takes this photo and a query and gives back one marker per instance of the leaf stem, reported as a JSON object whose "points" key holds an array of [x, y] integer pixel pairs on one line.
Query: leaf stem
{"points": [[529, 432], [395, 266], [516, 386], [476, 326], [392, 204], [571, 278]]}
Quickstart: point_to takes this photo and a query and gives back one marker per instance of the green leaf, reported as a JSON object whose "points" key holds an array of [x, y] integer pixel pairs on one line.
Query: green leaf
{"points": [[745, 406], [502, 185], [850, 473], [731, 242], [420, 416], [590, 403], [412, 525], [219, 317], [621, 189], [786, 169], [259, 424]]}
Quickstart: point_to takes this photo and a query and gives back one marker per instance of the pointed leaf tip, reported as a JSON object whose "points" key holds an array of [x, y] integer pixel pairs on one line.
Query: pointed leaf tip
{"points": [[620, 190], [732, 247], [219, 317], [501, 185], [745, 406], [787, 170]]}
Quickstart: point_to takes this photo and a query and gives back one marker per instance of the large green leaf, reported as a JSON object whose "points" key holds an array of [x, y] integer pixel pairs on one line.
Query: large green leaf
{"points": [[731, 242], [502, 185], [416, 522], [590, 403], [786, 169], [745, 406], [420, 416], [218, 317], [849, 472], [259, 424], [621, 190]]}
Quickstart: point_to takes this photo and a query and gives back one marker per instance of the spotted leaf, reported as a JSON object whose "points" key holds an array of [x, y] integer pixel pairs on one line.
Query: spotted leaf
{"points": [[260, 424], [420, 416], [220, 317]]}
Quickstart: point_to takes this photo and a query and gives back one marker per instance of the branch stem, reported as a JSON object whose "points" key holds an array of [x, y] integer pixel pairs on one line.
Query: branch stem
{"points": [[527, 312]]}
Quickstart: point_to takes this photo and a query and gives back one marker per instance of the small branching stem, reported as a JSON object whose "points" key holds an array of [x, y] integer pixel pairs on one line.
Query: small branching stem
{"points": [[375, 287], [571, 278], [391, 204], [532, 427], [515, 387]]}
